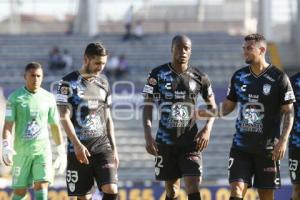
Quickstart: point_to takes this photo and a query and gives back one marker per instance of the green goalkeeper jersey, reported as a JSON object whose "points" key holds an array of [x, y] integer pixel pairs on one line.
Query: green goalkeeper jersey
{"points": [[31, 113]]}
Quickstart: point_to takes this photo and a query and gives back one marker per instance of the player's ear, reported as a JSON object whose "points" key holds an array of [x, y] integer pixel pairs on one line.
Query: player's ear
{"points": [[85, 60], [263, 50]]}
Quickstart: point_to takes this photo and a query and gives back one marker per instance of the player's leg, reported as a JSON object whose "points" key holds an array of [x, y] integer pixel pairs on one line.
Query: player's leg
{"points": [[266, 194], [167, 170], [267, 176], [79, 178], [19, 194], [190, 162], [42, 175], [172, 188], [21, 176], [105, 173], [294, 160], [296, 192], [41, 190], [241, 169]]}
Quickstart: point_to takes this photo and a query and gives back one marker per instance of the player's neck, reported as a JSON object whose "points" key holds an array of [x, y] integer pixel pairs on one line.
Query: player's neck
{"points": [[86, 74], [258, 68], [179, 67], [31, 90]]}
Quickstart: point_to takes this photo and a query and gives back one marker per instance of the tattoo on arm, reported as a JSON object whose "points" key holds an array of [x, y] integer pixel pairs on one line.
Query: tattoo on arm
{"points": [[288, 119]]}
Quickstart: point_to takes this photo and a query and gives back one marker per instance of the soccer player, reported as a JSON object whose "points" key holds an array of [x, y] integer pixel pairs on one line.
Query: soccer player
{"points": [[30, 109], [294, 142], [264, 94], [175, 88], [84, 101]]}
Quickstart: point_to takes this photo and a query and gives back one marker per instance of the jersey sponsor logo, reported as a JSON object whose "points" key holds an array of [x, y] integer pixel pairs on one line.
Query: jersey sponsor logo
{"points": [[252, 121], [243, 88], [180, 94], [168, 86], [179, 116], [93, 104], [32, 131], [148, 89], [289, 95], [269, 77], [64, 90], [253, 98], [192, 85], [270, 169], [61, 98], [266, 89], [152, 81]]}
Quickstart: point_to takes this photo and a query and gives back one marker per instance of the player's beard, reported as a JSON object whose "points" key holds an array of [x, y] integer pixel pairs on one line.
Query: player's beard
{"points": [[90, 72], [249, 62]]}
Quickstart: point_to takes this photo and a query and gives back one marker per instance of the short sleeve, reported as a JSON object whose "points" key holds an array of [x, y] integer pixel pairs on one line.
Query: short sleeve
{"points": [[151, 86], [206, 88], [231, 93], [63, 93], [286, 92], [10, 112], [53, 117], [108, 97]]}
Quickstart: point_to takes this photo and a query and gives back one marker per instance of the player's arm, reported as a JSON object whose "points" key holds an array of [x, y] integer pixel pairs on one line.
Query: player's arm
{"points": [[80, 150], [227, 107], [287, 98], [202, 137], [151, 146], [7, 149], [111, 136], [288, 119]]}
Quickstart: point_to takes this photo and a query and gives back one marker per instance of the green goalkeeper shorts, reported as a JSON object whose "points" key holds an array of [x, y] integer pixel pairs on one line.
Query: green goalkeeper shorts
{"points": [[30, 169]]}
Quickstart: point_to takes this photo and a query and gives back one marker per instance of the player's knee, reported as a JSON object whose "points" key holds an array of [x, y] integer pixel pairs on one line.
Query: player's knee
{"points": [[86, 197], [237, 190], [172, 191], [109, 188], [40, 185], [20, 192], [296, 192], [192, 184]]}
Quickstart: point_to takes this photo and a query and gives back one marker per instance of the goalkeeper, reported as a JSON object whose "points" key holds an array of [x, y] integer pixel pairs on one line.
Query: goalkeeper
{"points": [[30, 109]]}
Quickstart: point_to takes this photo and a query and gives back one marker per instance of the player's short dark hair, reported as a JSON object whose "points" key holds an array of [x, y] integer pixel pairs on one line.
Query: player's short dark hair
{"points": [[95, 49], [33, 65], [178, 38], [256, 37]]}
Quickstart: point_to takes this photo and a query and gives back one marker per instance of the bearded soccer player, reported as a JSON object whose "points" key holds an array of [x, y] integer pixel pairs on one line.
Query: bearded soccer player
{"points": [[265, 95], [84, 101], [175, 88], [30, 109], [294, 142]]}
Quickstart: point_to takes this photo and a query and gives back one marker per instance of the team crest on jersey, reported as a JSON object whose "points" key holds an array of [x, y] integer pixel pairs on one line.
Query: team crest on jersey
{"points": [[266, 89], [192, 85]]}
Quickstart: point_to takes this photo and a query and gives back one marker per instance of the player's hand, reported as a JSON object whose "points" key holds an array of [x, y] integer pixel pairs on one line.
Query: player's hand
{"points": [[116, 158], [82, 154], [7, 152], [202, 138], [61, 161], [279, 150], [151, 146]]}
